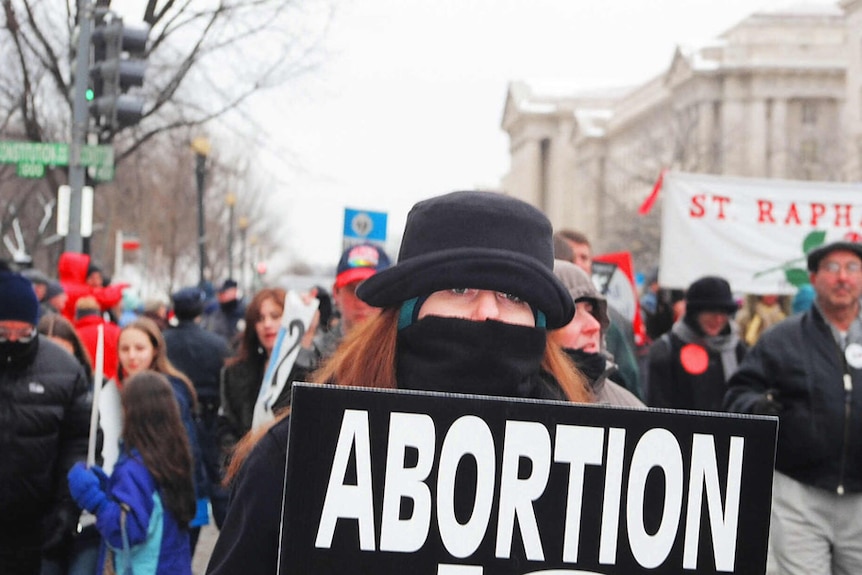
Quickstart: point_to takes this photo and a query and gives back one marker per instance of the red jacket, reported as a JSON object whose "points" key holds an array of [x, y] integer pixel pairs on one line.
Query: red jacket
{"points": [[72, 272], [88, 330]]}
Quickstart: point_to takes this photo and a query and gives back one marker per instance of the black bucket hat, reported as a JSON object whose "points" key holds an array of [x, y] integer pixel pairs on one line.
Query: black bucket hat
{"points": [[481, 240], [710, 293]]}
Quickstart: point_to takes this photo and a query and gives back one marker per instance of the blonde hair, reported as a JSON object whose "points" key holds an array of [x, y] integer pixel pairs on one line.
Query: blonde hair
{"points": [[87, 302]]}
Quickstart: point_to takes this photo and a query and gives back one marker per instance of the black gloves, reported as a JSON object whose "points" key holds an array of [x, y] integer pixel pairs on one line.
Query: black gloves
{"points": [[767, 404], [58, 530]]}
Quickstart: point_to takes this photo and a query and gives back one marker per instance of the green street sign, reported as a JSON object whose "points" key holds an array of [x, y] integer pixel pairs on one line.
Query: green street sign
{"points": [[56, 154], [102, 173], [24, 170], [32, 157], [97, 156]]}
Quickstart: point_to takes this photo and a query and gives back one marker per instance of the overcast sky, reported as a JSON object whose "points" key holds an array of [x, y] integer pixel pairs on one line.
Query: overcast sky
{"points": [[410, 100]]}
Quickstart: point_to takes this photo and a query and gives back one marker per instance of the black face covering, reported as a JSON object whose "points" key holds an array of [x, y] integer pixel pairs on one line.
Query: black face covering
{"points": [[229, 306], [17, 354], [591, 364], [479, 357]]}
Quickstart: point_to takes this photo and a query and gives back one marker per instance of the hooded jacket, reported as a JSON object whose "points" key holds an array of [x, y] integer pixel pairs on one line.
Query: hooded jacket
{"points": [[72, 272], [581, 287]]}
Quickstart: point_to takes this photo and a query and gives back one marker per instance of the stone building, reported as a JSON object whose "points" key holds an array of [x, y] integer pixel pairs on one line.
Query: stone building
{"points": [[771, 97]]}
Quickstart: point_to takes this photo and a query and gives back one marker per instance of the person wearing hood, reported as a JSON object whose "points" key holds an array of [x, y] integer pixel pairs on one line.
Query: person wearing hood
{"points": [[72, 271], [466, 310], [689, 366], [583, 338]]}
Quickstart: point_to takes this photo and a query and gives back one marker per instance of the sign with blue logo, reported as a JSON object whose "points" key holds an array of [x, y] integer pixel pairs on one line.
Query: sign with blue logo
{"points": [[364, 226]]}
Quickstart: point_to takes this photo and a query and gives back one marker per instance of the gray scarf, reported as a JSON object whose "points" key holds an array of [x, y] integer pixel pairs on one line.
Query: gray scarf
{"points": [[724, 344]]}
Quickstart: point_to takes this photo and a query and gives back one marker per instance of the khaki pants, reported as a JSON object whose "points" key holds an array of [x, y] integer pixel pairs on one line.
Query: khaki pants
{"points": [[814, 531]]}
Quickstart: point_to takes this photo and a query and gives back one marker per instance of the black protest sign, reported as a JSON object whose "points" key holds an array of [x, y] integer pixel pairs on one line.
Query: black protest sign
{"points": [[602, 274], [383, 481]]}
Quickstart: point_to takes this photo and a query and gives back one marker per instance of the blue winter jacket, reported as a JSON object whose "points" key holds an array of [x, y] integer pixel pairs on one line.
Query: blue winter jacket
{"points": [[157, 543]]}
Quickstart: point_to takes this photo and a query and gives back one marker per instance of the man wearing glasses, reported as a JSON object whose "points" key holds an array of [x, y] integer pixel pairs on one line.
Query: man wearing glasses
{"points": [[807, 370], [44, 424]]}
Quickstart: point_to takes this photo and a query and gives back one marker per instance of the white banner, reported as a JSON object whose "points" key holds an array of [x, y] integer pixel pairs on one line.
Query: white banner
{"points": [[753, 232]]}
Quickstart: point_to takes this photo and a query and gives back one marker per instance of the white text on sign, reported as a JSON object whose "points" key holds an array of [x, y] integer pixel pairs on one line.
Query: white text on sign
{"points": [[572, 445]]}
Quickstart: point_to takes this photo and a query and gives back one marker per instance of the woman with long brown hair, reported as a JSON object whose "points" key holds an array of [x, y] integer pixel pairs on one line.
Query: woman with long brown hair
{"points": [[142, 347], [143, 510], [465, 310], [243, 374], [81, 553]]}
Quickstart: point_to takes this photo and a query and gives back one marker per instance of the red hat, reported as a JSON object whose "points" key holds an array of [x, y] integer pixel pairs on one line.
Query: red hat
{"points": [[359, 263]]}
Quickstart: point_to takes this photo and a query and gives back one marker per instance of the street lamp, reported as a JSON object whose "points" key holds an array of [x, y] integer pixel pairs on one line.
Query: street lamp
{"points": [[230, 200], [201, 148], [254, 257], [243, 228]]}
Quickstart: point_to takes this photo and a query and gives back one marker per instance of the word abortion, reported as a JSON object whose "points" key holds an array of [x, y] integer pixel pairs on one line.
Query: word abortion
{"points": [[501, 481]]}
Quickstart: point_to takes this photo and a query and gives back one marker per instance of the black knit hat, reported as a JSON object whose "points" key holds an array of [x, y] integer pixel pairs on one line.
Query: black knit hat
{"points": [[710, 293], [480, 240], [188, 302], [816, 255], [17, 299]]}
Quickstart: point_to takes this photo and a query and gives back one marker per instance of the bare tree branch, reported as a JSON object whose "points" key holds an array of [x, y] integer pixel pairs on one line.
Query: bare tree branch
{"points": [[200, 73]]}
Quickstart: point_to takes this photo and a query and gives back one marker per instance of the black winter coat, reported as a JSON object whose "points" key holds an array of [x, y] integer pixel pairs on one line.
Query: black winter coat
{"points": [[819, 433], [200, 355], [44, 425], [240, 384], [671, 386]]}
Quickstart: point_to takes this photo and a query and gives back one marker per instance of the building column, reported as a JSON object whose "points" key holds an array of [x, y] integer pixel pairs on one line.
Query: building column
{"points": [[778, 139]]}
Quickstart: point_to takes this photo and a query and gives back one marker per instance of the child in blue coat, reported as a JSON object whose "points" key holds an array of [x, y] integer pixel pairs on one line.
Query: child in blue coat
{"points": [[143, 510]]}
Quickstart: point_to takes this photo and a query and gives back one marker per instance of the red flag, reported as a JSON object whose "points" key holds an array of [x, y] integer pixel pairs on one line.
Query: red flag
{"points": [[647, 205]]}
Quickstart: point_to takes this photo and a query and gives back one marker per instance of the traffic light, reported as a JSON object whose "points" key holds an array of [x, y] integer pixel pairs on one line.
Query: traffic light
{"points": [[118, 65]]}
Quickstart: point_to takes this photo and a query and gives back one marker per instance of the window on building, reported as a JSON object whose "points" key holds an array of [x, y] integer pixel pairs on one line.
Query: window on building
{"points": [[808, 151], [809, 112]]}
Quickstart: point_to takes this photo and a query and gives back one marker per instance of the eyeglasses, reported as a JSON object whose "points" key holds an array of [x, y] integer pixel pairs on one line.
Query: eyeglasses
{"points": [[19, 334], [835, 267]]}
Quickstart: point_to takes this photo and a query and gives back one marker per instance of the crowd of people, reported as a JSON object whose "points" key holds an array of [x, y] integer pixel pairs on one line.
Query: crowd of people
{"points": [[484, 298]]}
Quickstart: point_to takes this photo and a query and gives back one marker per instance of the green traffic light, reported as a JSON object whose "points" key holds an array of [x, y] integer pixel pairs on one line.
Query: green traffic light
{"points": [[90, 94]]}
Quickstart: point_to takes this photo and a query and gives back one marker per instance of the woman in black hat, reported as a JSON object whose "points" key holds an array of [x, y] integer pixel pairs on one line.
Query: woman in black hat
{"points": [[690, 365], [465, 310]]}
